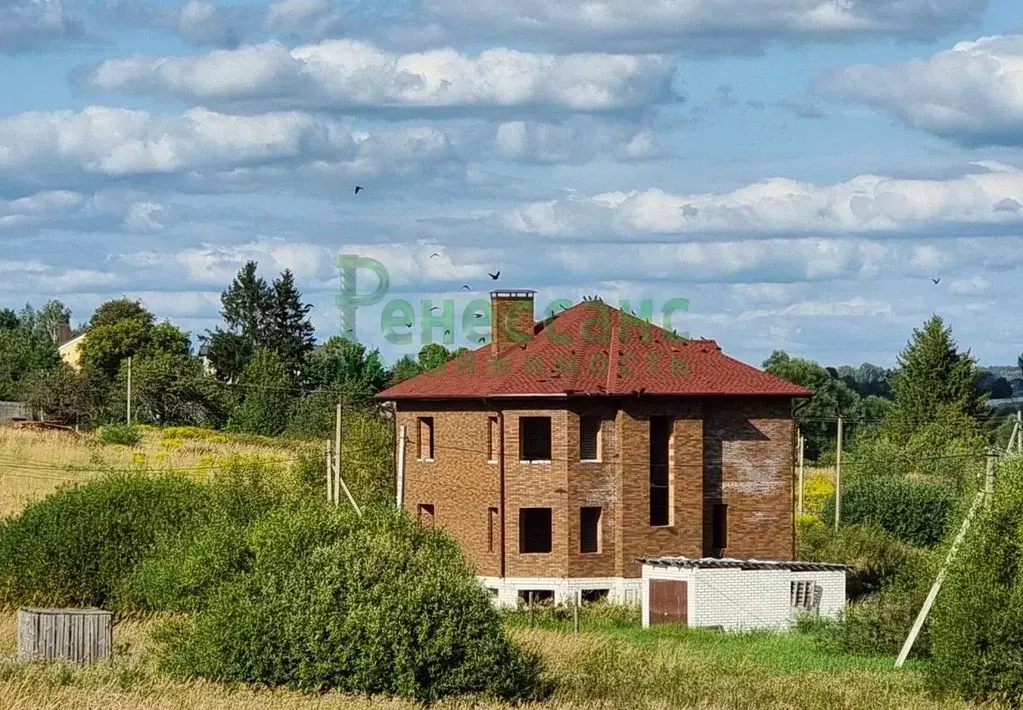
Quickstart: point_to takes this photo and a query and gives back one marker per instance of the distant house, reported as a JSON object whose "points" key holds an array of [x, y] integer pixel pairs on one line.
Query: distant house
{"points": [[70, 348]]}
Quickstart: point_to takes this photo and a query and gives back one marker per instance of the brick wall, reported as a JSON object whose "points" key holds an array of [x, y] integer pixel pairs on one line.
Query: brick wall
{"points": [[737, 452]]}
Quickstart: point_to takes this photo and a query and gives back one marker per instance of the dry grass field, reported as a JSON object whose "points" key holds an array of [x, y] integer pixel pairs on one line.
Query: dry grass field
{"points": [[35, 463]]}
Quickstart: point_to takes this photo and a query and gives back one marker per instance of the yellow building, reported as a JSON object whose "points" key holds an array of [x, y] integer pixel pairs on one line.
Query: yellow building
{"points": [[71, 351]]}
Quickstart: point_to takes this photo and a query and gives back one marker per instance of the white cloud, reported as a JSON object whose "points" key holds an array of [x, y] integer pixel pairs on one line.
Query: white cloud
{"points": [[349, 73], [39, 207], [573, 141], [33, 24], [972, 93], [120, 142], [972, 286], [142, 217], [314, 16], [721, 25], [864, 204]]}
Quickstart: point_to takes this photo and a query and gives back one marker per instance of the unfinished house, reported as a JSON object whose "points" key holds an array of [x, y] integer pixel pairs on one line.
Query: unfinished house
{"points": [[563, 451]]}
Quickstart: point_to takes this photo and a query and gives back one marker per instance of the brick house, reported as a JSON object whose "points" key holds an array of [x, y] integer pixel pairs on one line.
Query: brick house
{"points": [[562, 451]]}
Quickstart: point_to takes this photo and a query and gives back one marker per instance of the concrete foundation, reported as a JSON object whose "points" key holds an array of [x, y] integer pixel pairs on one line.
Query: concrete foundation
{"points": [[508, 591]]}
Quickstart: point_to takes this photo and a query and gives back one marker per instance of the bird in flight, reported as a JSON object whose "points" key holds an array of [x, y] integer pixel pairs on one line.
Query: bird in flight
{"points": [[435, 308], [936, 280], [408, 325], [483, 340], [478, 314], [358, 189], [495, 277], [434, 254], [465, 287]]}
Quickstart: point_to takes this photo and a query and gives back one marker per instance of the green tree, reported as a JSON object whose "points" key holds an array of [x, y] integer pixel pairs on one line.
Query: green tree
{"points": [[346, 368], [290, 333], [65, 395], [247, 304], [228, 353], [21, 354], [120, 309], [1019, 364], [109, 344], [831, 397], [932, 375], [9, 319], [267, 396], [171, 388], [405, 368], [1001, 389]]}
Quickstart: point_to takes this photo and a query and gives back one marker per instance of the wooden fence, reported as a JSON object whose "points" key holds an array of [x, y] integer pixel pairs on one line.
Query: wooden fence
{"points": [[77, 635]]}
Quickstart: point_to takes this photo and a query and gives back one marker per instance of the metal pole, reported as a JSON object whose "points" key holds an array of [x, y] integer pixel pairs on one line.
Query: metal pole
{"points": [[838, 475], [530, 608], [983, 496], [401, 467], [129, 390], [802, 443], [1019, 431]]}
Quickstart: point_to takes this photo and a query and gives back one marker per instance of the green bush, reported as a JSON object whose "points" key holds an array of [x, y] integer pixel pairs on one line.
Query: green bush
{"points": [[75, 547], [977, 635], [875, 556], [915, 512], [120, 434], [374, 605]]}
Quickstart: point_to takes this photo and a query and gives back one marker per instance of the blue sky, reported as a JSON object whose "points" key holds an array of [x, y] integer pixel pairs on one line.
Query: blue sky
{"points": [[800, 170]]}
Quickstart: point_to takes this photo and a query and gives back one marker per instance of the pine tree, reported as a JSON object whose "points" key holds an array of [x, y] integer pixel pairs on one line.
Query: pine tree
{"points": [[933, 378], [289, 331], [246, 305]]}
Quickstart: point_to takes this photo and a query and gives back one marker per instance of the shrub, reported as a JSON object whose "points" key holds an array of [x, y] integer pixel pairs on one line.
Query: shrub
{"points": [[120, 434], [875, 556], [373, 605], [977, 635], [75, 547], [915, 512], [266, 408]]}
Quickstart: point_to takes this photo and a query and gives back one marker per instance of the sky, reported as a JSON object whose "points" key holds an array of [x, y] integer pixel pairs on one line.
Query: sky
{"points": [[800, 171]]}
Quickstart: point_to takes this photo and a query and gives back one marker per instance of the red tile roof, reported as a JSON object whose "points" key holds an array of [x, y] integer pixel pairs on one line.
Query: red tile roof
{"points": [[572, 355]]}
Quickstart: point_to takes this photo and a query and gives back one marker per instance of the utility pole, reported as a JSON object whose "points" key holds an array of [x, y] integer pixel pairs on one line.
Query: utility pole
{"points": [[330, 474], [838, 475], [983, 497], [339, 481], [802, 444], [129, 390], [401, 468]]}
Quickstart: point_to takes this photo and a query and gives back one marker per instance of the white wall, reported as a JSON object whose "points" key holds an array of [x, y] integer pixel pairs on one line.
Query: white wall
{"points": [[621, 590], [746, 599]]}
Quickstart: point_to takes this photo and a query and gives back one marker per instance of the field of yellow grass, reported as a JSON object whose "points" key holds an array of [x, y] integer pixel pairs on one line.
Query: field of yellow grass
{"points": [[35, 463]]}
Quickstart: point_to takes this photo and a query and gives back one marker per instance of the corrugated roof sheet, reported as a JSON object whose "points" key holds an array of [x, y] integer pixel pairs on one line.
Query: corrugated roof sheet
{"points": [[593, 349], [728, 563]]}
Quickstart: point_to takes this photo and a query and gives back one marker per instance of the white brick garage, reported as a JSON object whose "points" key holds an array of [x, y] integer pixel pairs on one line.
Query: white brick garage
{"points": [[739, 594]]}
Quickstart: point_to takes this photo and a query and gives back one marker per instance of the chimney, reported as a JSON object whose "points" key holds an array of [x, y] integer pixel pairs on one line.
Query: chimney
{"points": [[511, 314], [63, 333]]}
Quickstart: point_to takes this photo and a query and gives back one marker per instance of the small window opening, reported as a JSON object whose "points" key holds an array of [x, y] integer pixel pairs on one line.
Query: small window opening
{"points": [[535, 439], [534, 530]]}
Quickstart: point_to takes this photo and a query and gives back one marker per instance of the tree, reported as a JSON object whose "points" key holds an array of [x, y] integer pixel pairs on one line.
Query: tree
{"points": [[267, 391], [63, 394], [405, 368], [1001, 389], [228, 353], [290, 333], [247, 304], [120, 309], [1019, 364], [8, 319], [831, 397], [170, 388], [21, 354], [346, 368], [932, 375]]}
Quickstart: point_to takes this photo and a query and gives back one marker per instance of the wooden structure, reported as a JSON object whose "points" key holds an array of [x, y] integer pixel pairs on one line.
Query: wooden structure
{"points": [[81, 636]]}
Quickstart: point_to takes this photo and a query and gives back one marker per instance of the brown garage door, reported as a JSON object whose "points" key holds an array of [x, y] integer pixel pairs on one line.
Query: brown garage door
{"points": [[669, 601]]}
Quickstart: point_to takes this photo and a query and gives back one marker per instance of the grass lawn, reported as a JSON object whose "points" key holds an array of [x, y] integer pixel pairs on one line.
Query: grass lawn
{"points": [[612, 664]]}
